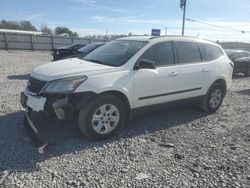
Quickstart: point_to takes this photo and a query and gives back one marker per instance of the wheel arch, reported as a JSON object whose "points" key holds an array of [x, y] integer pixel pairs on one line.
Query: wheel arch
{"points": [[122, 97], [204, 104], [84, 98], [223, 83]]}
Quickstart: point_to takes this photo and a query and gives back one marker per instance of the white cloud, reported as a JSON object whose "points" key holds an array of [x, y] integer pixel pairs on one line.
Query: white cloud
{"points": [[93, 5], [88, 31], [34, 17], [24, 15], [118, 10], [232, 30], [128, 19], [86, 2], [220, 22], [140, 25], [96, 7]]}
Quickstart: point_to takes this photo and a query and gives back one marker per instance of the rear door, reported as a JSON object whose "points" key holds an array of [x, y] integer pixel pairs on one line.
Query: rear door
{"points": [[193, 71], [211, 55]]}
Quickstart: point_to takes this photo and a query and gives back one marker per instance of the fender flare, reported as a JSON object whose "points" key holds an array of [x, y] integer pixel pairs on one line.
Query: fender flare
{"points": [[83, 98]]}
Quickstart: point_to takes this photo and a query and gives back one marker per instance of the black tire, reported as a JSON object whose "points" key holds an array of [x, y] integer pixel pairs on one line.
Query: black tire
{"points": [[86, 114], [247, 72], [206, 104]]}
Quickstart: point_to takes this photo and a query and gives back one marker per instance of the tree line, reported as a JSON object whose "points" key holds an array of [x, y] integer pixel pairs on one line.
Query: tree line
{"points": [[28, 26]]}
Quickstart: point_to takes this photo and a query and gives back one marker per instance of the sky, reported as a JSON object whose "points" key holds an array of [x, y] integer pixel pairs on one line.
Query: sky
{"points": [[89, 17]]}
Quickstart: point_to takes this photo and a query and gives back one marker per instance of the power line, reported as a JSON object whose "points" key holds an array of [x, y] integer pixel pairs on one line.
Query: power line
{"points": [[219, 26]]}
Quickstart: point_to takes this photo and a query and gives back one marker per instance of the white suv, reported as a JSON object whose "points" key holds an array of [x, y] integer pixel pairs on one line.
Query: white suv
{"points": [[126, 76]]}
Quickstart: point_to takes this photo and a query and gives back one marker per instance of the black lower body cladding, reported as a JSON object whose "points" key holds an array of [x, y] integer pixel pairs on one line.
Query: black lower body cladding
{"points": [[65, 106]]}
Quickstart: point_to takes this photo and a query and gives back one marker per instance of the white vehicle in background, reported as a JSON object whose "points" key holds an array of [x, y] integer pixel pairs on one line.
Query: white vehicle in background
{"points": [[126, 76]]}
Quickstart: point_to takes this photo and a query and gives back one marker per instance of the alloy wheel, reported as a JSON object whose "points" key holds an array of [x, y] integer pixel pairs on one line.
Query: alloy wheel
{"points": [[105, 118], [215, 98]]}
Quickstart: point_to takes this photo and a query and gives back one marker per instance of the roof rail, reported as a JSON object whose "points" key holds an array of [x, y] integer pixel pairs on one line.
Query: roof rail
{"points": [[154, 37]]}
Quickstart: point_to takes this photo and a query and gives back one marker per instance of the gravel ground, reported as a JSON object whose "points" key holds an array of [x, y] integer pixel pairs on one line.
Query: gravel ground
{"points": [[178, 147]]}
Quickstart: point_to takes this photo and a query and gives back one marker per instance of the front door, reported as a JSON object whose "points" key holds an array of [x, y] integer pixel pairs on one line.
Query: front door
{"points": [[154, 86]]}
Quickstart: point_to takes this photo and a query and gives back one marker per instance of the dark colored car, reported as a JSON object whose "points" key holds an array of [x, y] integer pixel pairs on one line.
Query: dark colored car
{"points": [[63, 52], [241, 61], [86, 49]]}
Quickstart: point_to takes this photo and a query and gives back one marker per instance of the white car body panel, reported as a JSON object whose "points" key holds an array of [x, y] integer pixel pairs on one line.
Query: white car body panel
{"points": [[35, 102], [148, 82], [136, 84], [68, 67], [194, 76]]}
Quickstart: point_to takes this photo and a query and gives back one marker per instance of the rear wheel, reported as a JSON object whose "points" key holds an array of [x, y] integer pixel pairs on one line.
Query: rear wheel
{"points": [[213, 98], [102, 118]]}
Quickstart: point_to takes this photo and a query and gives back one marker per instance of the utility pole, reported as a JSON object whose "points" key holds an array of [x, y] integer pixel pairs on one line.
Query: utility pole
{"points": [[183, 4], [166, 31]]}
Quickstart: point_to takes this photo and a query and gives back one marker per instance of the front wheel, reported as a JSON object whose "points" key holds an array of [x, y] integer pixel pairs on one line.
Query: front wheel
{"points": [[102, 118], [213, 99]]}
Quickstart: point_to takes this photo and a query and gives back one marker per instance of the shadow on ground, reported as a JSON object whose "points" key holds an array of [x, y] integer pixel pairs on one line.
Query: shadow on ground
{"points": [[19, 77], [19, 154]]}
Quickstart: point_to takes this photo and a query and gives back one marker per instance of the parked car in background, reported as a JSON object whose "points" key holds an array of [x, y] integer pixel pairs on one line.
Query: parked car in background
{"points": [[241, 61], [82, 52], [63, 52], [125, 77]]}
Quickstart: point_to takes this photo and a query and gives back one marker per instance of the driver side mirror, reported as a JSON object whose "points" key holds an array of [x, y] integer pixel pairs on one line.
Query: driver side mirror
{"points": [[144, 64]]}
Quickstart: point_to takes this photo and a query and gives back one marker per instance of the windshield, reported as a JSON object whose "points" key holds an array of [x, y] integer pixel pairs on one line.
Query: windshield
{"points": [[115, 53], [89, 48]]}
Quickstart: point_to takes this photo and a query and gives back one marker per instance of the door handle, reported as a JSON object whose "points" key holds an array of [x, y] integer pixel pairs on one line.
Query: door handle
{"points": [[173, 74], [204, 70]]}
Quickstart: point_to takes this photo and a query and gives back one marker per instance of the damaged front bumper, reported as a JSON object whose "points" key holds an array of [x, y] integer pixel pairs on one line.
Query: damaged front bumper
{"points": [[31, 129], [59, 107]]}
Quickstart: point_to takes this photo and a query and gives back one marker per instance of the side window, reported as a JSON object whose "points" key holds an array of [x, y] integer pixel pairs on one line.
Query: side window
{"points": [[188, 52], [162, 54], [210, 52]]}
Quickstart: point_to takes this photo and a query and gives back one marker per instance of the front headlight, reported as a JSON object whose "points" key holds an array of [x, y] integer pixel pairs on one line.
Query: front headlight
{"points": [[66, 85]]}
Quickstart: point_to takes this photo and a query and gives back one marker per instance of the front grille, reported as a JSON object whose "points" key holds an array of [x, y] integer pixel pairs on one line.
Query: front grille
{"points": [[35, 85]]}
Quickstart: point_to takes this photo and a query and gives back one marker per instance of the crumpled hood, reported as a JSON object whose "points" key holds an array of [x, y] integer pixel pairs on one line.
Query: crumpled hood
{"points": [[67, 68]]}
